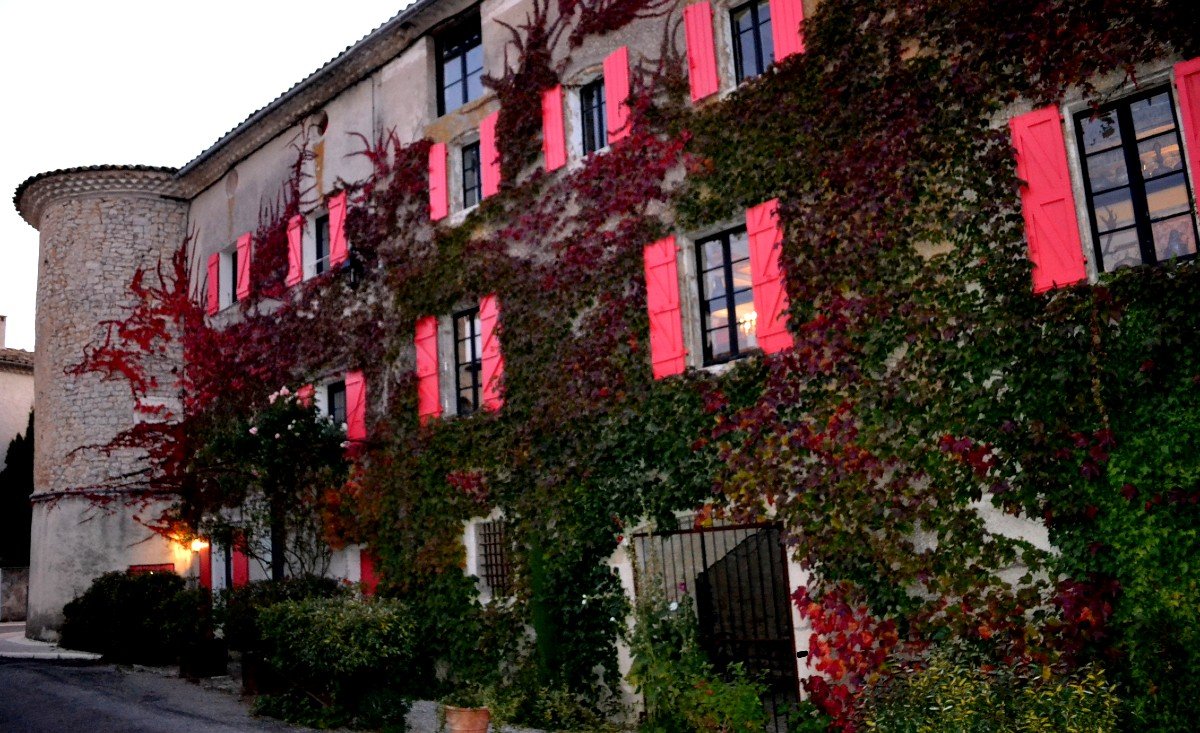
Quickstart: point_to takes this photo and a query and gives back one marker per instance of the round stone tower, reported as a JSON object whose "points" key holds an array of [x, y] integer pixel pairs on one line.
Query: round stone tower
{"points": [[98, 226]]}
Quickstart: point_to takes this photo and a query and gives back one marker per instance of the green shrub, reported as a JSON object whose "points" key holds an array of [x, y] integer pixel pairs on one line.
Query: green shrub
{"points": [[952, 693], [238, 608], [344, 660], [143, 619], [681, 689]]}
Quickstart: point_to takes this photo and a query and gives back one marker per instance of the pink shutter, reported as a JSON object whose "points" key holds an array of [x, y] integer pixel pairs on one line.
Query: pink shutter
{"points": [[205, 557], [1187, 81], [616, 93], [667, 354], [429, 402], [356, 407], [243, 263], [295, 234], [489, 154], [367, 573], [240, 561], [1051, 226], [338, 248], [439, 189], [701, 51], [492, 360], [214, 284], [786, 17], [554, 138], [770, 292]]}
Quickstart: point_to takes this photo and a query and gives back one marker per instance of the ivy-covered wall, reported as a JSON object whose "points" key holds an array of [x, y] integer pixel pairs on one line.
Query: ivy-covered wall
{"points": [[927, 380]]}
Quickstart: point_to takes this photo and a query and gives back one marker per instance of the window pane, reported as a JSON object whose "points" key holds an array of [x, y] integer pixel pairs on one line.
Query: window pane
{"points": [[1160, 155], [718, 343], [1167, 196], [713, 253], [718, 313], [451, 72], [474, 86], [739, 246], [714, 283], [1174, 237], [747, 321], [475, 59], [1101, 132], [1107, 170], [1152, 116], [745, 55], [1113, 210], [764, 35], [453, 96], [741, 275], [1120, 249]]}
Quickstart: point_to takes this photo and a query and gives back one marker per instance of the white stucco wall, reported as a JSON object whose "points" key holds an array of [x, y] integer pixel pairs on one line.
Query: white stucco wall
{"points": [[16, 400]]}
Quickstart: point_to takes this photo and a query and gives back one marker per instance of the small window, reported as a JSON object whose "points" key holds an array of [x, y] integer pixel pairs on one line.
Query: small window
{"points": [[595, 129], [1138, 200], [472, 176], [753, 48], [495, 565], [468, 363], [335, 403], [321, 240], [460, 65], [726, 296]]}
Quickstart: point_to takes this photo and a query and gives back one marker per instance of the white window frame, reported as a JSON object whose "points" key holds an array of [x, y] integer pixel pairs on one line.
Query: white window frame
{"points": [[308, 243], [472, 543]]}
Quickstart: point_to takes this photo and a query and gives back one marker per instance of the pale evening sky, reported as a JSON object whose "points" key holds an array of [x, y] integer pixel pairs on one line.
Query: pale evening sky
{"points": [[142, 82]]}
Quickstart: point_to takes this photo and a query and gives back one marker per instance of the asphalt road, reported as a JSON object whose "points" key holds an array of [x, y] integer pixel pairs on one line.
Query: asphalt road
{"points": [[41, 697]]}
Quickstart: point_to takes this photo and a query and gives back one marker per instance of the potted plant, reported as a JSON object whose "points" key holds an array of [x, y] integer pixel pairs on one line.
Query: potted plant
{"points": [[466, 710]]}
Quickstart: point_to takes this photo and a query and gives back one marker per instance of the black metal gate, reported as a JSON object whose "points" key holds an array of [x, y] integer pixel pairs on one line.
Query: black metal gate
{"points": [[737, 575]]}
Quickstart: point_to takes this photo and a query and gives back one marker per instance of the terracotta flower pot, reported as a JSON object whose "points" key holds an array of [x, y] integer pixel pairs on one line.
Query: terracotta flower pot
{"points": [[467, 720]]}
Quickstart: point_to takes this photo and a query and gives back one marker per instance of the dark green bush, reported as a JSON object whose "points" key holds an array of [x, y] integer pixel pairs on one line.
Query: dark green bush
{"points": [[144, 619], [238, 609], [344, 660]]}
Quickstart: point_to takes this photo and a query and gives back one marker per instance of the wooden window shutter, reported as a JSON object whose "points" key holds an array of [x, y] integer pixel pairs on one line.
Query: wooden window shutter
{"points": [[368, 575], [492, 360], [439, 188], [701, 51], [338, 247], [1047, 202], [489, 155], [205, 569], [770, 290], [667, 354], [616, 94], [786, 17], [295, 234], [356, 407], [240, 561], [243, 263], [214, 285], [554, 138], [1187, 82], [429, 399]]}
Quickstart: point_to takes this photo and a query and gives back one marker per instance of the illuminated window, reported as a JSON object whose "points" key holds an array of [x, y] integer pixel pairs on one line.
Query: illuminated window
{"points": [[726, 296]]}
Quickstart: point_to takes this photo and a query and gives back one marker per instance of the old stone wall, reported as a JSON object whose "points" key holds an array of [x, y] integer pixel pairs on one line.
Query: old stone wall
{"points": [[97, 229]]}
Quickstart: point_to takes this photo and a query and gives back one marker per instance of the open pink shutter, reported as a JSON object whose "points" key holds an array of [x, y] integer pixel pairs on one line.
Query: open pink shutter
{"points": [[295, 234], [367, 573], [492, 365], [356, 407], [770, 292], [338, 248], [214, 285], [429, 402], [701, 51], [239, 561], [1051, 226], [786, 16], [667, 355], [1187, 81], [243, 262], [616, 93], [554, 138], [489, 154], [439, 189], [205, 569]]}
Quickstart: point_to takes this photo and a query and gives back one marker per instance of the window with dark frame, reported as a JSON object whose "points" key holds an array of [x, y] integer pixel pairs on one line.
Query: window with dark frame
{"points": [[726, 296], [233, 276], [753, 47], [1139, 203], [472, 176], [460, 64], [336, 402], [595, 126], [321, 233], [495, 565], [468, 362]]}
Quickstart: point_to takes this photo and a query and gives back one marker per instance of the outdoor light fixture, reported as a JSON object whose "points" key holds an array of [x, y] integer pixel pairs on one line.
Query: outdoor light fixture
{"points": [[199, 545]]}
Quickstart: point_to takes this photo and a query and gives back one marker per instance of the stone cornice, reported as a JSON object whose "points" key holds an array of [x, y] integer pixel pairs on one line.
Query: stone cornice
{"points": [[32, 196]]}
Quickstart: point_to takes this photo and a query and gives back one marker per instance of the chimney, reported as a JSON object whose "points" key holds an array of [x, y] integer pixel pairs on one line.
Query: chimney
{"points": [[2, 320]]}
